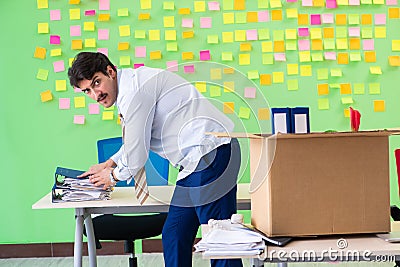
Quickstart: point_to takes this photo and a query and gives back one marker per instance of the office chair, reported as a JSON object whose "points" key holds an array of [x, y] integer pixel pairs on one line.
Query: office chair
{"points": [[131, 228], [395, 210]]}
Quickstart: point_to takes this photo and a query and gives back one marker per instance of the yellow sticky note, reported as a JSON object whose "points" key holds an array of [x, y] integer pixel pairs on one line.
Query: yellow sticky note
{"points": [[123, 45], [277, 77], [379, 105], [201, 86], [169, 21], [79, 102], [145, 4], [76, 44], [291, 13], [375, 70], [187, 55], [140, 34], [305, 70], [394, 61], [323, 89], [315, 33], [170, 35], [345, 89], [347, 100], [61, 85], [229, 87], [266, 46], [395, 45], [215, 91], [355, 56], [212, 39], [170, 5], [88, 26], [226, 56], [374, 88], [172, 46], [380, 32], [55, 52], [144, 16], [43, 27], [199, 6], [275, 3], [228, 18], [216, 74], [359, 88], [90, 42], [343, 58], [304, 56], [107, 115], [292, 69], [123, 12], [253, 74], [229, 107], [244, 113], [42, 4], [263, 114], [46, 96], [265, 79], [184, 11], [75, 14], [240, 35], [370, 56], [155, 54], [291, 34], [40, 52], [104, 17], [227, 37], [341, 43], [124, 30], [318, 3], [245, 47], [124, 60], [244, 59], [187, 34], [229, 70], [154, 35], [74, 2], [323, 103], [336, 72]]}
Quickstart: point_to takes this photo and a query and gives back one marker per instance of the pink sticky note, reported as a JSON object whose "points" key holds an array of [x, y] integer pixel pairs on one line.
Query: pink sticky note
{"points": [[91, 12], [304, 45], [263, 16], [331, 4], [75, 30], [391, 2], [250, 92], [58, 66], [104, 51], [138, 65], [354, 31], [172, 65], [307, 3], [55, 14], [64, 103], [104, 4], [205, 22], [140, 51], [205, 55], [94, 108], [251, 35], [77, 90], [103, 34], [187, 23], [368, 44], [188, 69], [55, 39], [280, 56], [79, 119], [354, 2], [327, 18], [291, 1], [303, 32], [213, 6], [315, 19], [380, 19], [330, 55]]}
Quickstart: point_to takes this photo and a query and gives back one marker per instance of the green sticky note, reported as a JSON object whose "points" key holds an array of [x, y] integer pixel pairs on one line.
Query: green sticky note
{"points": [[374, 88], [278, 35], [317, 57], [140, 34], [322, 74], [354, 19], [355, 56], [123, 12], [347, 100], [215, 91], [366, 2], [334, 85], [227, 4], [375, 70], [268, 59], [336, 72], [172, 46], [124, 60], [226, 56], [358, 88], [341, 43], [212, 39], [253, 74], [42, 74], [262, 4], [366, 33], [341, 32], [241, 17], [244, 113], [291, 45], [293, 85], [329, 44], [170, 5], [323, 103], [263, 34]]}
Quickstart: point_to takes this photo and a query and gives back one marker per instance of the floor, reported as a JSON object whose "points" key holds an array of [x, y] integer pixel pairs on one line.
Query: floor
{"points": [[155, 260]]}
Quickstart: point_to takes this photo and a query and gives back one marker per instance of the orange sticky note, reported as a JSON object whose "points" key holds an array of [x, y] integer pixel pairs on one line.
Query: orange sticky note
{"points": [[46, 96], [76, 44], [318, 3], [265, 79], [40, 52], [343, 58], [187, 34], [187, 55], [316, 44], [184, 11], [229, 87], [276, 14], [394, 13], [354, 43], [370, 56], [329, 33], [239, 5], [279, 46], [345, 89], [144, 16], [123, 46], [229, 70], [379, 105], [366, 19], [104, 17], [302, 19], [394, 61], [263, 114], [323, 89], [155, 54], [74, 2], [245, 47], [229, 107], [341, 19], [252, 16]]}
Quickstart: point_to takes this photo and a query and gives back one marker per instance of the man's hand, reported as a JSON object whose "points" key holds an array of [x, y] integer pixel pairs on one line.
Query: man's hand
{"points": [[94, 169], [102, 177]]}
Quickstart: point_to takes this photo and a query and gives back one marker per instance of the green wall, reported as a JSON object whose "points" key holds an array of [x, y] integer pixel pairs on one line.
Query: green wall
{"points": [[37, 137]]}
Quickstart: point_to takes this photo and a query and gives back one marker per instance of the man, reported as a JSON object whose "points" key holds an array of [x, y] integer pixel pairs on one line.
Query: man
{"points": [[162, 112]]}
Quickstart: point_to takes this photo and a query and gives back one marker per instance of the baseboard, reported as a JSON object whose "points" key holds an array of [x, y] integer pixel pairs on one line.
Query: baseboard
{"points": [[67, 249]]}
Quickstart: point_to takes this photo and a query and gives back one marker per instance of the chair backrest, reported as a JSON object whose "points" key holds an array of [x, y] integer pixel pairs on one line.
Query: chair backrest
{"points": [[157, 168], [397, 157]]}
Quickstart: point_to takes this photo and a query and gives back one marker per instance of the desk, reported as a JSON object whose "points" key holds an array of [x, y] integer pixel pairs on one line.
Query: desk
{"points": [[123, 201], [366, 247]]}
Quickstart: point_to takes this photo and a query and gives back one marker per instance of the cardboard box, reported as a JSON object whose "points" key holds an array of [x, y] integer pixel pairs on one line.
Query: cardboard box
{"points": [[320, 183]]}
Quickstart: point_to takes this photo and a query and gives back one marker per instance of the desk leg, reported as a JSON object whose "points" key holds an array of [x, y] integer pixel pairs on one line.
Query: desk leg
{"points": [[282, 264], [91, 241], [254, 262], [78, 237]]}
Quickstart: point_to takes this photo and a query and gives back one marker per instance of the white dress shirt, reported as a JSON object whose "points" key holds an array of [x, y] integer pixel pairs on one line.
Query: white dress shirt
{"points": [[164, 113]]}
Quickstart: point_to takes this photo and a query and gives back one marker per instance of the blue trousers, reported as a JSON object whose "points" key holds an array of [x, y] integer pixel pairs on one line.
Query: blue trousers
{"points": [[207, 193]]}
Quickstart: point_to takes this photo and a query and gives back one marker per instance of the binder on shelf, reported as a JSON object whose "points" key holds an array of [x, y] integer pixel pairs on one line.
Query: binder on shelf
{"points": [[281, 120], [300, 120]]}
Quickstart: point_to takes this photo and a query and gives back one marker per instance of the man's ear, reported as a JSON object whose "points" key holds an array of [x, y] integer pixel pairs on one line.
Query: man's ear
{"points": [[112, 73]]}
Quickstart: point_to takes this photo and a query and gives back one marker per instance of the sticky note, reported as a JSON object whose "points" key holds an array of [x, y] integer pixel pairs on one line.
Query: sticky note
{"points": [[366, 33], [302, 19], [229, 70], [201, 87], [354, 2], [155, 54], [275, 3], [64, 103], [245, 47], [330, 55], [317, 44], [291, 45], [188, 68], [355, 56], [277, 77], [252, 16], [212, 39], [395, 45], [140, 34], [370, 56], [228, 18], [187, 23], [55, 14], [322, 74], [169, 5], [354, 19], [263, 114], [42, 74], [244, 59], [317, 57], [40, 52], [327, 18], [343, 58], [124, 30], [240, 17], [169, 21], [307, 3], [140, 51], [205, 55], [184, 11], [123, 46], [329, 44], [303, 32], [291, 34], [292, 69], [124, 60], [154, 35], [394, 13], [76, 44], [90, 12], [323, 89], [266, 46], [206, 22], [213, 6], [94, 108], [244, 113], [90, 42], [354, 31], [315, 19], [75, 30], [391, 2], [280, 57], [42, 4], [278, 35], [187, 55], [227, 37], [276, 14], [104, 4], [170, 35], [305, 56], [61, 85], [380, 32], [172, 65], [250, 92], [75, 14], [239, 5], [316, 33], [394, 61], [253, 74], [122, 12], [144, 16], [305, 70], [336, 72], [79, 102], [347, 100], [293, 85], [345, 88], [304, 44], [229, 87], [100, 50], [46, 96], [354, 43], [55, 39], [229, 107], [251, 35], [265, 79], [107, 115], [43, 27], [172, 46], [58, 66], [379, 105], [328, 32], [359, 88], [291, 13], [368, 44], [215, 91], [55, 52], [103, 34], [323, 104], [215, 74], [262, 4], [240, 35], [199, 6], [374, 88], [375, 70], [88, 26]]}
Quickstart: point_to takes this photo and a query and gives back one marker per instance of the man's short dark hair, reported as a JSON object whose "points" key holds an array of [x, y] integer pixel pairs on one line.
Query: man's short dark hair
{"points": [[86, 64]]}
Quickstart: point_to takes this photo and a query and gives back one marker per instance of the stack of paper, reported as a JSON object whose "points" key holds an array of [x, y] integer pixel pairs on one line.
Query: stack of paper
{"points": [[80, 190]]}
